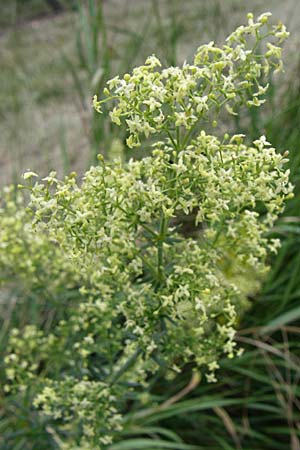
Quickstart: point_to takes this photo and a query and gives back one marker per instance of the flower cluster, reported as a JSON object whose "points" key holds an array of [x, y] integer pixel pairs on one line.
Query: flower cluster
{"points": [[152, 100], [152, 299], [28, 258]]}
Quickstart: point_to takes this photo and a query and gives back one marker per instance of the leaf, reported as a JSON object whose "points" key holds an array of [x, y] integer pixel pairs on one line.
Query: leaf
{"points": [[283, 319], [150, 444], [169, 434], [188, 406]]}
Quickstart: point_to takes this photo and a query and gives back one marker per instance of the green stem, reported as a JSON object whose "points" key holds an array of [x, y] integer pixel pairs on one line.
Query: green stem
{"points": [[178, 137], [160, 250], [190, 133], [172, 140], [130, 361]]}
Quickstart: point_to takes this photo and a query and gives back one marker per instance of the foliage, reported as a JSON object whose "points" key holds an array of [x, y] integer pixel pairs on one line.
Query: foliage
{"points": [[152, 302]]}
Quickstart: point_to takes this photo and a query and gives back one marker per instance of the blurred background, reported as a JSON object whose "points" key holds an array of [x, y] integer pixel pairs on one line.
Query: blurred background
{"points": [[55, 55]]}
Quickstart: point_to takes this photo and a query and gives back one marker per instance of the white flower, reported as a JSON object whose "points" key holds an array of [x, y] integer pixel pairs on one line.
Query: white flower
{"points": [[28, 175]]}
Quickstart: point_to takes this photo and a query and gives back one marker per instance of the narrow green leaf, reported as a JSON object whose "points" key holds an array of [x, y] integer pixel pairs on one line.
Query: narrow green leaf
{"points": [[285, 318], [150, 444]]}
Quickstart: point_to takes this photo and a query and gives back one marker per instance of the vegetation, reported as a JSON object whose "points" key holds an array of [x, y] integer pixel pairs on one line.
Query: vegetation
{"points": [[129, 297]]}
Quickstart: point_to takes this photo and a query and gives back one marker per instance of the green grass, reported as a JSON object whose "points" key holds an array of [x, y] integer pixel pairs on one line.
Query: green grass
{"points": [[20, 11]]}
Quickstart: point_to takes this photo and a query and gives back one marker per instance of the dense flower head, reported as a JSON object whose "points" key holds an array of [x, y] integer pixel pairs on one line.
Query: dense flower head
{"points": [[152, 299]]}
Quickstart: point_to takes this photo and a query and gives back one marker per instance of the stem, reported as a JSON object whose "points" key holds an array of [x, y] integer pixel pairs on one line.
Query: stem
{"points": [[160, 250], [178, 138], [130, 361], [172, 140], [159, 260], [148, 229], [190, 133]]}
